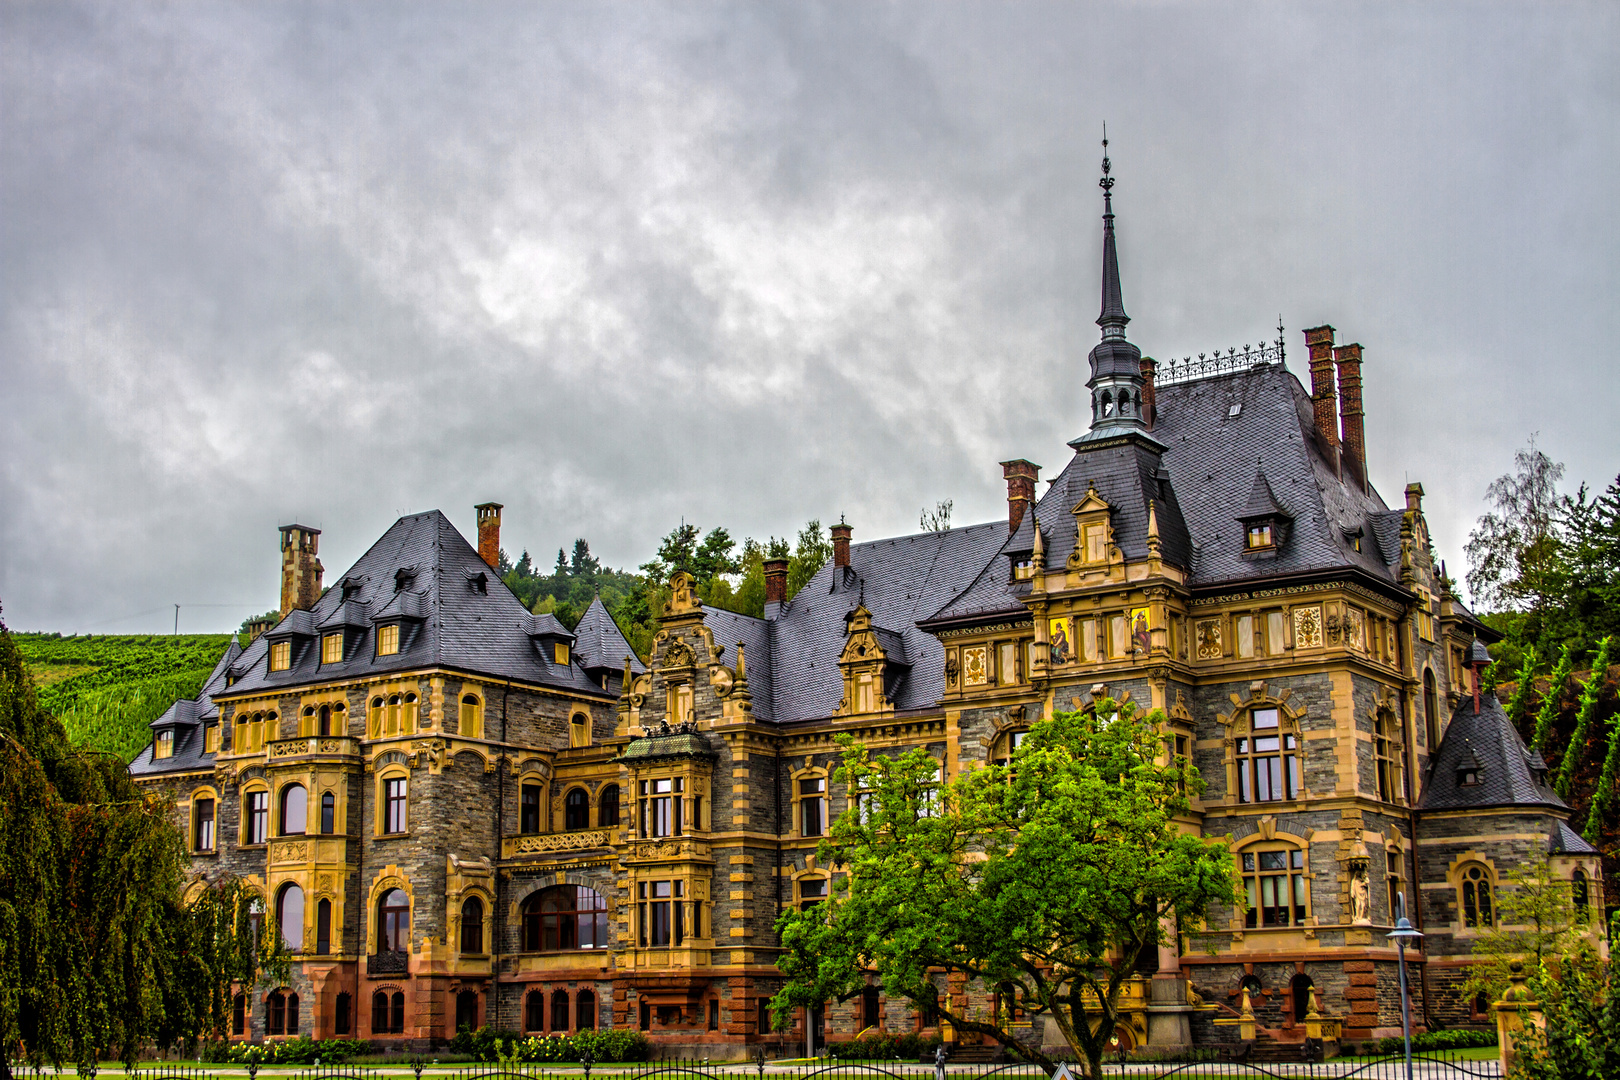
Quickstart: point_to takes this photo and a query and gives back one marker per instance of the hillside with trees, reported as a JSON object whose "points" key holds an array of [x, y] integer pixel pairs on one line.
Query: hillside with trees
{"points": [[1544, 571]]}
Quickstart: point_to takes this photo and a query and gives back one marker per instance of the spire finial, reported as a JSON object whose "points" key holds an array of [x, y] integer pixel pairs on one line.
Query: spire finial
{"points": [[1113, 317]]}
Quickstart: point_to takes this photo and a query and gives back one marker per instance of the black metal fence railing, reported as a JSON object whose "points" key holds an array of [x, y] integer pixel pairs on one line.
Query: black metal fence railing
{"points": [[1202, 1064]]}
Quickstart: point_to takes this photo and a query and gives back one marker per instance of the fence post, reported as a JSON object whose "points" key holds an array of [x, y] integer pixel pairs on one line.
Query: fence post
{"points": [[1511, 1011]]}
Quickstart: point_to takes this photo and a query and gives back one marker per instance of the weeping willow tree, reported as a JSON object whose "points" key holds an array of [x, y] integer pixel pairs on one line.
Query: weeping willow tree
{"points": [[99, 953]]}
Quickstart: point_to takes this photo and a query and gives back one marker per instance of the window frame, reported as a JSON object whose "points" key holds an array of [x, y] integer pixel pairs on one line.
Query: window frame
{"points": [[332, 648], [388, 639], [470, 715], [289, 889], [806, 801], [1295, 874], [255, 825], [198, 823], [281, 809], [394, 804], [471, 916], [1288, 773], [393, 921], [539, 923], [1476, 879], [661, 810], [576, 809]]}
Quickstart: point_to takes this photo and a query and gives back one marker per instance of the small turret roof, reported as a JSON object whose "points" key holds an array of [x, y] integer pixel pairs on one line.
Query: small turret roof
{"points": [[1508, 773]]}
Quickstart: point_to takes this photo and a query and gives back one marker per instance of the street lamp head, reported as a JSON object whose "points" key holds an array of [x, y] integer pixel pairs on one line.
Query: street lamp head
{"points": [[1404, 934]]}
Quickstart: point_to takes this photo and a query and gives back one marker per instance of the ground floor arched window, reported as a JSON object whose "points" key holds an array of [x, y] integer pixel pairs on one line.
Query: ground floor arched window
{"points": [[342, 1019], [534, 1011], [467, 1010], [559, 1010], [585, 1011]]}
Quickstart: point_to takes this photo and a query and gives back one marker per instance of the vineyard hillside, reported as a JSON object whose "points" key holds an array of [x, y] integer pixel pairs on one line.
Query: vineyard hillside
{"points": [[106, 689]]}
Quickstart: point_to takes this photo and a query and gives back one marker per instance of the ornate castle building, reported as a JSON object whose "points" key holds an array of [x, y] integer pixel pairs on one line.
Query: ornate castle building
{"points": [[461, 813]]}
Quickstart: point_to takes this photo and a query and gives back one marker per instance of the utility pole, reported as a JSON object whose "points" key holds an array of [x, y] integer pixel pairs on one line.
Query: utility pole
{"points": [[177, 620]]}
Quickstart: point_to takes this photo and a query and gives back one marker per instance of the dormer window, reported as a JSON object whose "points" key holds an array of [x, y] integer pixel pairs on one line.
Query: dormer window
{"points": [[1260, 537], [332, 648], [479, 583], [351, 590], [1468, 777], [280, 655], [560, 653], [1265, 522], [388, 640], [404, 578], [163, 745]]}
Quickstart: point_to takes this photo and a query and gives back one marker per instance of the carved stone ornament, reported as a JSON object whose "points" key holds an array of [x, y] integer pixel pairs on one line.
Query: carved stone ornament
{"points": [[679, 655], [1307, 628], [1360, 898]]}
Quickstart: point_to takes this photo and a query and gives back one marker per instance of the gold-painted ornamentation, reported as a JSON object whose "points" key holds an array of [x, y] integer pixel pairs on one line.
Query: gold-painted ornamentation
{"points": [[1209, 639], [1060, 635], [1307, 628], [975, 666], [571, 841]]}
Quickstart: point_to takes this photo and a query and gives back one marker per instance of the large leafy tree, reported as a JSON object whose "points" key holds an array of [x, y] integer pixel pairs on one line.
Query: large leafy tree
{"points": [[98, 953], [1513, 548], [1047, 877]]}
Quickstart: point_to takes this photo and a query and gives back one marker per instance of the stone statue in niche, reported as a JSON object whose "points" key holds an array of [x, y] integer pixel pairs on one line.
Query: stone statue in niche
{"points": [[1360, 898]]}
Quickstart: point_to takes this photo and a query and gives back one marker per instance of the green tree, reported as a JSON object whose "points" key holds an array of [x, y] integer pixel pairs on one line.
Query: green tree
{"points": [[1591, 694], [1513, 549], [1548, 714], [1604, 795], [98, 955], [1047, 877], [1518, 707], [938, 519], [1581, 1009], [274, 615], [1535, 924], [812, 553]]}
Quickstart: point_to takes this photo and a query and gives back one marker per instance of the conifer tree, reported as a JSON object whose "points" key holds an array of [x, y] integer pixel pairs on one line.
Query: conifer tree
{"points": [[1518, 707], [1603, 795], [1591, 692], [1549, 703]]}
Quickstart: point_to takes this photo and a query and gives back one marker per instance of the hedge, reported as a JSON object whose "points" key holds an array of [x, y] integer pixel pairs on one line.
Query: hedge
{"points": [[491, 1044], [1438, 1040], [908, 1047], [302, 1051]]}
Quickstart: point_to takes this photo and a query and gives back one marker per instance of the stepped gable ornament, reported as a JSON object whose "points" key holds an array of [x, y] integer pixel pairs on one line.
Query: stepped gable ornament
{"points": [[682, 600]]}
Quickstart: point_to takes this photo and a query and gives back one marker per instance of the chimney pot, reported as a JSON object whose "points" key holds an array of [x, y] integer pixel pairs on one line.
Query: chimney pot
{"points": [[300, 568], [1021, 476], [775, 586], [489, 533], [840, 538], [1414, 497], [1150, 400], [1324, 396]]}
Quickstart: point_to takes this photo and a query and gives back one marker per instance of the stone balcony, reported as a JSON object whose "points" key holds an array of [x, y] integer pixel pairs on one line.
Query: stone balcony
{"points": [[549, 844], [308, 850], [326, 746]]}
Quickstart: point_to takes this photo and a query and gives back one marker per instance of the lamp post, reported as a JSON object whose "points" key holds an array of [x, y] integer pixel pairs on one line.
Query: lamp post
{"points": [[1401, 935]]}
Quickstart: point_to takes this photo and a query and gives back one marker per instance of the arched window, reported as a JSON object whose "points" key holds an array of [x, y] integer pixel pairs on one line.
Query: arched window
{"points": [[1431, 710], [326, 721], [1267, 760], [375, 720], [529, 809], [1580, 896], [1478, 907], [472, 717], [275, 1014], [323, 928], [564, 917], [467, 1010], [393, 922], [607, 814], [239, 1015], [292, 1014], [328, 813], [559, 1010], [576, 810], [379, 1012], [579, 730], [1107, 403], [472, 926], [290, 916], [294, 810], [584, 1011], [341, 1016], [534, 1011], [394, 804], [408, 713], [396, 1012], [391, 715], [1274, 879], [255, 919]]}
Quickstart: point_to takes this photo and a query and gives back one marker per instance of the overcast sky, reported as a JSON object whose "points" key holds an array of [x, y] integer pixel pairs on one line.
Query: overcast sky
{"points": [[616, 264]]}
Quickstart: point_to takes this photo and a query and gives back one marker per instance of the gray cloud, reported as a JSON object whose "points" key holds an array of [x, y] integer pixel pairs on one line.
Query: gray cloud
{"points": [[749, 264]]}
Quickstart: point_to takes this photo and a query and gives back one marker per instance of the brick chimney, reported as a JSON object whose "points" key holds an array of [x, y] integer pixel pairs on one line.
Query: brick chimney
{"points": [[775, 586], [1150, 411], [1020, 476], [489, 533], [840, 538], [1324, 398], [300, 568], [1348, 360]]}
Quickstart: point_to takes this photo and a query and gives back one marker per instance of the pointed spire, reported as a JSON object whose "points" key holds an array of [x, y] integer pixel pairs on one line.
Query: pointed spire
{"points": [[1154, 542], [1113, 317]]}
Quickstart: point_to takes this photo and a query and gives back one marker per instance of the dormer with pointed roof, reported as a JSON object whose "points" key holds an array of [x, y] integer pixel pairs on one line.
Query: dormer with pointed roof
{"points": [[1265, 521]]}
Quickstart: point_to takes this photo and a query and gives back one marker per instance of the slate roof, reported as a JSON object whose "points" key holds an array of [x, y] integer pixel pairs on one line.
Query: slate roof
{"points": [[470, 621], [600, 644], [1510, 775], [793, 671], [187, 717], [1566, 841]]}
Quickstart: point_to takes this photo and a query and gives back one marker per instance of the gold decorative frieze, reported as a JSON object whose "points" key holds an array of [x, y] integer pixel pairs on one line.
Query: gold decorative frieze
{"points": [[514, 847], [328, 745]]}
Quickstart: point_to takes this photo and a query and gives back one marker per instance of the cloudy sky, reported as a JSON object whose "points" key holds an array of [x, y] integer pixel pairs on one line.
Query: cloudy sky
{"points": [[614, 265]]}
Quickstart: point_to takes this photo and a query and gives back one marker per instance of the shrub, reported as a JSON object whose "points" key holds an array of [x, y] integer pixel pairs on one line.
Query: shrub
{"points": [[1437, 1040], [491, 1044], [291, 1052], [909, 1047]]}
